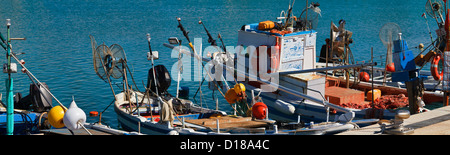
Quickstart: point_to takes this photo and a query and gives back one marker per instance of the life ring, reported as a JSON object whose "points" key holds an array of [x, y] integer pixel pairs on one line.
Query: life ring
{"points": [[434, 68]]}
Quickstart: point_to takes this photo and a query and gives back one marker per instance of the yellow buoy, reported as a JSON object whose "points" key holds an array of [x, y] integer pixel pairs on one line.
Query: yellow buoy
{"points": [[55, 116], [238, 88]]}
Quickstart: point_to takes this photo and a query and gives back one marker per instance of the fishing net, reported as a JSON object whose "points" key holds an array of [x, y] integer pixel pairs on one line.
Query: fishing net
{"points": [[434, 8], [119, 57], [388, 33], [102, 53], [311, 18]]}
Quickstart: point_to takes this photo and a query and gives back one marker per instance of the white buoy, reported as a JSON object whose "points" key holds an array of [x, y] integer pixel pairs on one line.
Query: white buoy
{"points": [[173, 132], [74, 117]]}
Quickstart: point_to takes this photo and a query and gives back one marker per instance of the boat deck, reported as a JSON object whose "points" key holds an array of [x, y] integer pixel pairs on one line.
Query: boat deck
{"points": [[434, 122], [75, 132], [93, 128], [228, 122]]}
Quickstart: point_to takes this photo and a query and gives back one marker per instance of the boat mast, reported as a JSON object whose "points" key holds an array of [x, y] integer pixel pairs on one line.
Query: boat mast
{"points": [[9, 85]]}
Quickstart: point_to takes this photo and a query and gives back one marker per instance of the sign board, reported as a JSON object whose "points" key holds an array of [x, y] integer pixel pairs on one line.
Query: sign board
{"points": [[292, 53]]}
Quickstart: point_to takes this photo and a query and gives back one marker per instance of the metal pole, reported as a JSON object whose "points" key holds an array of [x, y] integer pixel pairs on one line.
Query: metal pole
{"points": [[347, 74], [329, 68], [154, 74], [179, 69], [153, 65], [9, 86], [371, 60], [326, 59]]}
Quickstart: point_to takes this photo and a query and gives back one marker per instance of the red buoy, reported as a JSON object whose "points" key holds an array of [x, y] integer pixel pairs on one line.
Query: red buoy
{"points": [[93, 113], [390, 67], [364, 76], [259, 110]]}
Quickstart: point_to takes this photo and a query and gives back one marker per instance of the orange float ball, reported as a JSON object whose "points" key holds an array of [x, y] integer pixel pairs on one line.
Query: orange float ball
{"points": [[364, 76], [259, 110], [390, 67]]}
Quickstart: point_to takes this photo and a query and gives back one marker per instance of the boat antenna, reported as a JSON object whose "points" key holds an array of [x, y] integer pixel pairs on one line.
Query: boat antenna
{"points": [[153, 65], [223, 45], [210, 38], [185, 33], [213, 43]]}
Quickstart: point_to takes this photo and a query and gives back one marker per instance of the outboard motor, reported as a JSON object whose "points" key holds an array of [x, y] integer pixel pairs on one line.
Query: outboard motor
{"points": [[163, 79], [37, 101]]}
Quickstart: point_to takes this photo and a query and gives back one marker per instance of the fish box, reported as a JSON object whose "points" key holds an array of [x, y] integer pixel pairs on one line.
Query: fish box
{"points": [[339, 96], [310, 84]]}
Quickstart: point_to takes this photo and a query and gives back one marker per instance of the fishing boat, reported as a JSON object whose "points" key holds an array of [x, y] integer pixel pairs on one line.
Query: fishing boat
{"points": [[332, 54], [153, 111], [29, 112], [246, 120], [19, 114], [33, 113], [156, 111], [192, 119], [302, 90]]}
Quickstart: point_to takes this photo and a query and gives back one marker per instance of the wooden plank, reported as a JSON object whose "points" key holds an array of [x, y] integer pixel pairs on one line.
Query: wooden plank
{"points": [[228, 122], [434, 122], [441, 128]]}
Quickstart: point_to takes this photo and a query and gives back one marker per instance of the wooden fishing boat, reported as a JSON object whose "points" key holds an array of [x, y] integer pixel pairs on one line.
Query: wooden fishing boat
{"points": [[187, 118], [156, 111], [246, 125], [301, 90]]}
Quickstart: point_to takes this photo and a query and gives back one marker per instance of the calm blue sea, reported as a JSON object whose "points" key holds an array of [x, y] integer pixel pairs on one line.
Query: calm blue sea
{"points": [[58, 49]]}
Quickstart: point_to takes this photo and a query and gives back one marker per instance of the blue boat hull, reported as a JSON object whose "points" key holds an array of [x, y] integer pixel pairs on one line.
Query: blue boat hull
{"points": [[23, 123]]}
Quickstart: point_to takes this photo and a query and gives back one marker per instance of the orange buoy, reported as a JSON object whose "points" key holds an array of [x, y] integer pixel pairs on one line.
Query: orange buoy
{"points": [[93, 113], [364, 76], [390, 67], [259, 110], [231, 96]]}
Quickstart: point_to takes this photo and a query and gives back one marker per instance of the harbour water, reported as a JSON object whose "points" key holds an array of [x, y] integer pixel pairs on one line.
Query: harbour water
{"points": [[58, 50]]}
